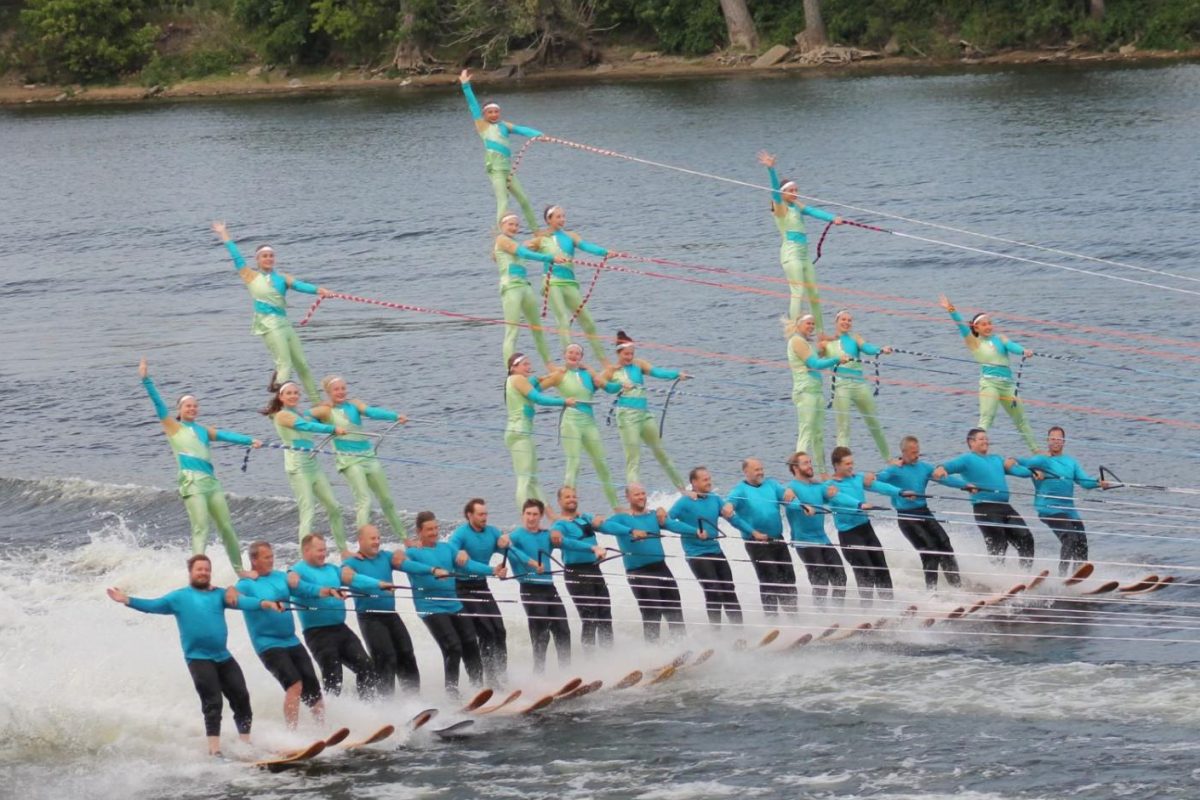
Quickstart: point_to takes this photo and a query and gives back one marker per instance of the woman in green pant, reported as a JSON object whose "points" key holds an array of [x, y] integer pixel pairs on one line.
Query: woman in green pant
{"points": [[521, 393], [517, 296], [356, 459], [305, 475], [562, 287], [198, 485], [850, 387]]}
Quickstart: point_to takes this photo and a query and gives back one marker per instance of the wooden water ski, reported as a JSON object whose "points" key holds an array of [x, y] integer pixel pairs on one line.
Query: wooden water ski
{"points": [[767, 638], [1139, 586], [291, 759], [568, 687], [420, 719], [803, 640], [455, 731], [337, 737], [849, 632], [830, 631], [630, 680], [376, 737], [1162, 583], [705, 656], [664, 674], [1083, 573], [536, 705], [582, 691], [1104, 588], [513, 695], [1037, 580], [477, 701]]}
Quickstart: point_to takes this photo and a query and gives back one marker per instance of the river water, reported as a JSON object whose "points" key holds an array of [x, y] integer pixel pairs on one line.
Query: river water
{"points": [[105, 255]]}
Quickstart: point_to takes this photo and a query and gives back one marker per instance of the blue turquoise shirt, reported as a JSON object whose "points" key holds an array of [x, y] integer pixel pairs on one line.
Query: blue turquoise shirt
{"points": [[807, 529], [324, 612], [440, 595], [985, 473], [760, 507], [579, 537], [480, 545], [530, 546], [1054, 495], [914, 477], [200, 616], [270, 629], [702, 514], [851, 494], [637, 553], [380, 568]]}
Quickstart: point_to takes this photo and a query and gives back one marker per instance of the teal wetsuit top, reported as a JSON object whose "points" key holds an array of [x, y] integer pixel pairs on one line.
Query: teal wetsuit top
{"points": [[914, 477], [480, 545], [759, 506], [702, 514], [852, 370], [269, 290], [992, 352], [530, 546], [271, 629], [440, 595], [851, 494], [496, 135], [200, 616], [325, 612], [791, 225], [635, 398], [561, 243], [1054, 495], [380, 568], [637, 553], [579, 537], [985, 473], [807, 530]]}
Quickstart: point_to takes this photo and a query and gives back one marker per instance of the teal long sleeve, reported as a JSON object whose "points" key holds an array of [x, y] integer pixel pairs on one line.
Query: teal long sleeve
{"points": [[775, 184], [302, 286], [521, 130], [533, 255], [1014, 348], [542, 399], [235, 254], [870, 349], [160, 408], [818, 213], [374, 412], [234, 438], [663, 373], [816, 362], [472, 103], [588, 247], [962, 325], [310, 426]]}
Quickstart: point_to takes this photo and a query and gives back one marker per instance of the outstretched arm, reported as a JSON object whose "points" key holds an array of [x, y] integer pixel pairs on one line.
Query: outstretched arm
{"points": [[963, 328], [160, 408], [246, 273], [588, 247], [464, 78], [768, 161], [522, 130]]}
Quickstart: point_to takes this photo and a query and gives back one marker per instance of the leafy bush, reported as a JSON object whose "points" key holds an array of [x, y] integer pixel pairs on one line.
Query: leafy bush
{"points": [[88, 40]]}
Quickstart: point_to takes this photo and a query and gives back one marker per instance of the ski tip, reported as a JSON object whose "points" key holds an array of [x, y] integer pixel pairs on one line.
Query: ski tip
{"points": [[800, 642], [1103, 588], [1144, 583], [910, 611], [337, 737], [378, 736], [478, 700], [1084, 572], [1038, 579], [538, 704], [288, 759], [569, 687], [863, 626], [453, 731], [928, 622], [830, 631], [957, 613], [666, 673], [632, 679], [705, 656], [769, 637], [420, 719]]}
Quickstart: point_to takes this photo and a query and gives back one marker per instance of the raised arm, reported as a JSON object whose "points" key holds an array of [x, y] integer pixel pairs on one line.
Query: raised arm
{"points": [[464, 78], [963, 329], [169, 424], [768, 161], [246, 273]]}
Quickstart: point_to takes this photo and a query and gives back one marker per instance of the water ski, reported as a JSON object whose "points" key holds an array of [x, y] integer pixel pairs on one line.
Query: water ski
{"points": [[803, 640], [374, 738], [1037, 580], [1083, 573], [513, 695], [664, 674], [830, 631], [705, 656], [455, 731], [632, 679], [420, 719], [477, 701], [569, 687], [1104, 588], [537, 705], [291, 759], [337, 737], [767, 638], [582, 691], [1139, 586]]}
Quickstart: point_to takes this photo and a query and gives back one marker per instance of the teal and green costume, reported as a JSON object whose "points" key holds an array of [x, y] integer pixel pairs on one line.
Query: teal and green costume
{"points": [[579, 432], [808, 388], [793, 251], [519, 299], [566, 301], [636, 424], [518, 436], [269, 290], [996, 380], [851, 388], [198, 485], [498, 158], [305, 475], [358, 464]]}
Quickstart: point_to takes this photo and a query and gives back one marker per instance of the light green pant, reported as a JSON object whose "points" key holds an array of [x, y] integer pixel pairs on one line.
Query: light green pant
{"points": [[525, 466], [503, 182], [520, 301], [636, 427], [309, 487], [810, 427], [284, 345], [993, 392], [205, 507], [802, 282], [860, 394], [579, 433], [564, 299], [366, 478]]}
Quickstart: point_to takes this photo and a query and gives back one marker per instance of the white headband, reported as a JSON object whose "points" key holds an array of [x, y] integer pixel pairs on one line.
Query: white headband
{"points": [[330, 381], [790, 186], [845, 311], [806, 317], [285, 385], [549, 211], [510, 214], [519, 359], [265, 248], [624, 345], [181, 400], [486, 106]]}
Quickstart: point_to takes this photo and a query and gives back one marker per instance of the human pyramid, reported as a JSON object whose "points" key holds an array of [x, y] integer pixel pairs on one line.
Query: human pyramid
{"points": [[449, 577]]}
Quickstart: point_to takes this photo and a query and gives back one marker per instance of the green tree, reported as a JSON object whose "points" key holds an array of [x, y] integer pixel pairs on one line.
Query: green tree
{"points": [[88, 40]]}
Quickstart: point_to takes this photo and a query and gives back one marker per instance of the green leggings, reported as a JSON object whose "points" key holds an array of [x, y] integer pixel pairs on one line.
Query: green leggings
{"points": [[810, 427], [503, 182], [635, 427], [519, 300], [309, 487], [205, 507], [802, 282], [579, 433], [564, 299], [525, 465], [861, 395], [993, 392], [366, 478], [284, 345]]}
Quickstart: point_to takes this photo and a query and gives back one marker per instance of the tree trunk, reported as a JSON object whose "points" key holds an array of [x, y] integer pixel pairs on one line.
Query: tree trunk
{"points": [[814, 34], [1096, 9], [742, 34]]}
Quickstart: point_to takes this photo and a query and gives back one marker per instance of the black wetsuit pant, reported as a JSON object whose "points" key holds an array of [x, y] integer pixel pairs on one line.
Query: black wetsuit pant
{"points": [[213, 679], [657, 596], [863, 552], [292, 665], [484, 613], [585, 584], [547, 619], [1073, 538], [927, 535], [1001, 526], [825, 571], [335, 646], [456, 638], [776, 578], [716, 579], [391, 650]]}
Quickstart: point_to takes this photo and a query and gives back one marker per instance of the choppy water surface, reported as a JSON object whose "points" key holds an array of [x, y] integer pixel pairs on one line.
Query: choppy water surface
{"points": [[107, 255]]}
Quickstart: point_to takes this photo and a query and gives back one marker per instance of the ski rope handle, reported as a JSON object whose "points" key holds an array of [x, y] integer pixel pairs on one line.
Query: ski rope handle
{"points": [[821, 241], [386, 431], [612, 410], [876, 394], [246, 458], [662, 420], [595, 277], [311, 310], [1017, 382], [832, 386], [545, 292], [1106, 471]]}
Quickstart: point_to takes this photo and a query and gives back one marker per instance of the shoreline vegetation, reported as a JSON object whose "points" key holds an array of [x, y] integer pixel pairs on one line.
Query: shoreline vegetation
{"points": [[56, 51]]}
